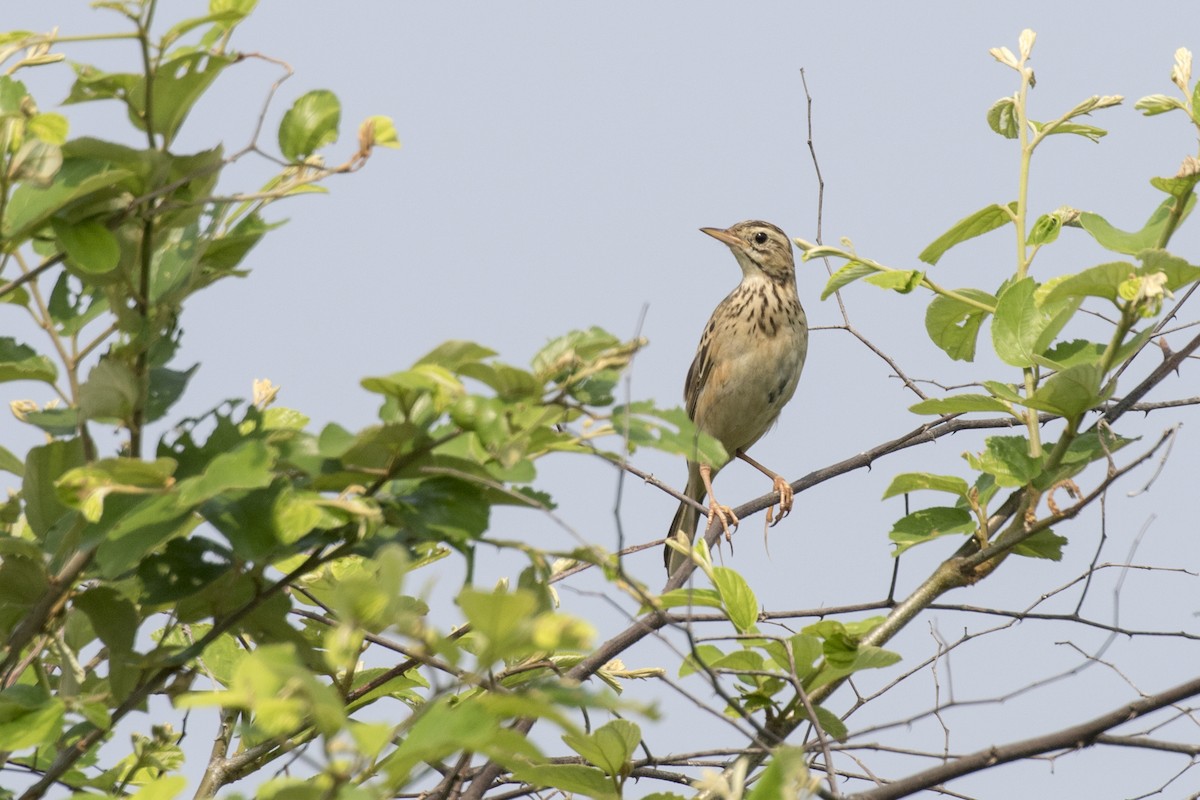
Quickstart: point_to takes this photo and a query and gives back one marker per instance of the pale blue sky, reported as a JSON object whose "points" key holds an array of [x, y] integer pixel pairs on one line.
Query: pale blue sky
{"points": [[557, 161]]}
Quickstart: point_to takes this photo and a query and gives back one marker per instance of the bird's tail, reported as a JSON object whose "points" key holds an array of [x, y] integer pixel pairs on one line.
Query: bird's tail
{"points": [[687, 517]]}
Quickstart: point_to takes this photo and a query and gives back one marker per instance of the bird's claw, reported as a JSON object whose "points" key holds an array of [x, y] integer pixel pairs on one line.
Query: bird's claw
{"points": [[786, 496], [724, 515]]}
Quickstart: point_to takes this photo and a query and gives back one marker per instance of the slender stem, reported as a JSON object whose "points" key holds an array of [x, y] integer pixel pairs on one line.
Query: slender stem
{"points": [[1031, 416], [1023, 175]]}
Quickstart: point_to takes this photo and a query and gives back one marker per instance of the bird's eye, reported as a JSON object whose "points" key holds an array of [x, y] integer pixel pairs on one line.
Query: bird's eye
{"points": [[760, 238]]}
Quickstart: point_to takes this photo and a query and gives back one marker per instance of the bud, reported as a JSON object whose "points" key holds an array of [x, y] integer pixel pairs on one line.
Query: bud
{"points": [[1181, 73]]}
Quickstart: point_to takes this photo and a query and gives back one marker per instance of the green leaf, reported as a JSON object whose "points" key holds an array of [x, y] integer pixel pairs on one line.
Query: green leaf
{"points": [[928, 524], [12, 95], [246, 466], [444, 728], [35, 163], [982, 221], [678, 436], [1179, 272], [1017, 324], [960, 404], [226, 252], [900, 280], [90, 246], [10, 463], [915, 481], [163, 787], [1055, 316], [115, 620], [954, 325], [19, 362], [86, 487], [688, 597], [1007, 459], [30, 206], [1090, 132], [43, 467], [454, 354], [1153, 104], [166, 387], [1149, 236], [609, 747], [831, 724], [1070, 392], [1101, 280], [310, 124], [570, 779], [1002, 117], [110, 393], [786, 774], [383, 131], [1069, 353], [29, 717], [847, 274], [1045, 229], [499, 616], [737, 597], [1043, 544], [702, 655], [178, 84]]}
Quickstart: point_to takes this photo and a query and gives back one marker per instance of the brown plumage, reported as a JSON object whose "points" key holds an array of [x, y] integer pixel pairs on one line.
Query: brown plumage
{"points": [[746, 366]]}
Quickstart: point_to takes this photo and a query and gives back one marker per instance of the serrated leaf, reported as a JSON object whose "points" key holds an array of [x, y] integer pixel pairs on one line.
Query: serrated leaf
{"points": [[916, 481]]}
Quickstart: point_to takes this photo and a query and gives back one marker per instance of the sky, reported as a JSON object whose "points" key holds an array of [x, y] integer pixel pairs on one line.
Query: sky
{"points": [[557, 161]]}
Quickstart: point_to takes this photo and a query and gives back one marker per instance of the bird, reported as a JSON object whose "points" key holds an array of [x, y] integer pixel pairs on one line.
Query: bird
{"points": [[746, 369]]}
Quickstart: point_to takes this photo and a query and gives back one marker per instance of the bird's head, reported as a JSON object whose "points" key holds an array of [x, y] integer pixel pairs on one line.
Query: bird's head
{"points": [[760, 247]]}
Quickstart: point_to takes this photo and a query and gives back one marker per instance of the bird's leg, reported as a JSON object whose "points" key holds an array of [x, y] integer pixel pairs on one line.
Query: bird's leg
{"points": [[724, 514], [780, 485]]}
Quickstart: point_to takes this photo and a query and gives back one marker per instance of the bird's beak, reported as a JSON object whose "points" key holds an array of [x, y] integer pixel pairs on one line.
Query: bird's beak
{"points": [[723, 236]]}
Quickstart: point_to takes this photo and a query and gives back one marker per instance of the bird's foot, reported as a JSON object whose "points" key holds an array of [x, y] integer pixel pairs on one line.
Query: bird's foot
{"points": [[724, 515], [786, 496]]}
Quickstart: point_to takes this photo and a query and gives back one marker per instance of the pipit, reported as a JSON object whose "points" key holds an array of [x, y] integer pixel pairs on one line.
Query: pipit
{"points": [[746, 368]]}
